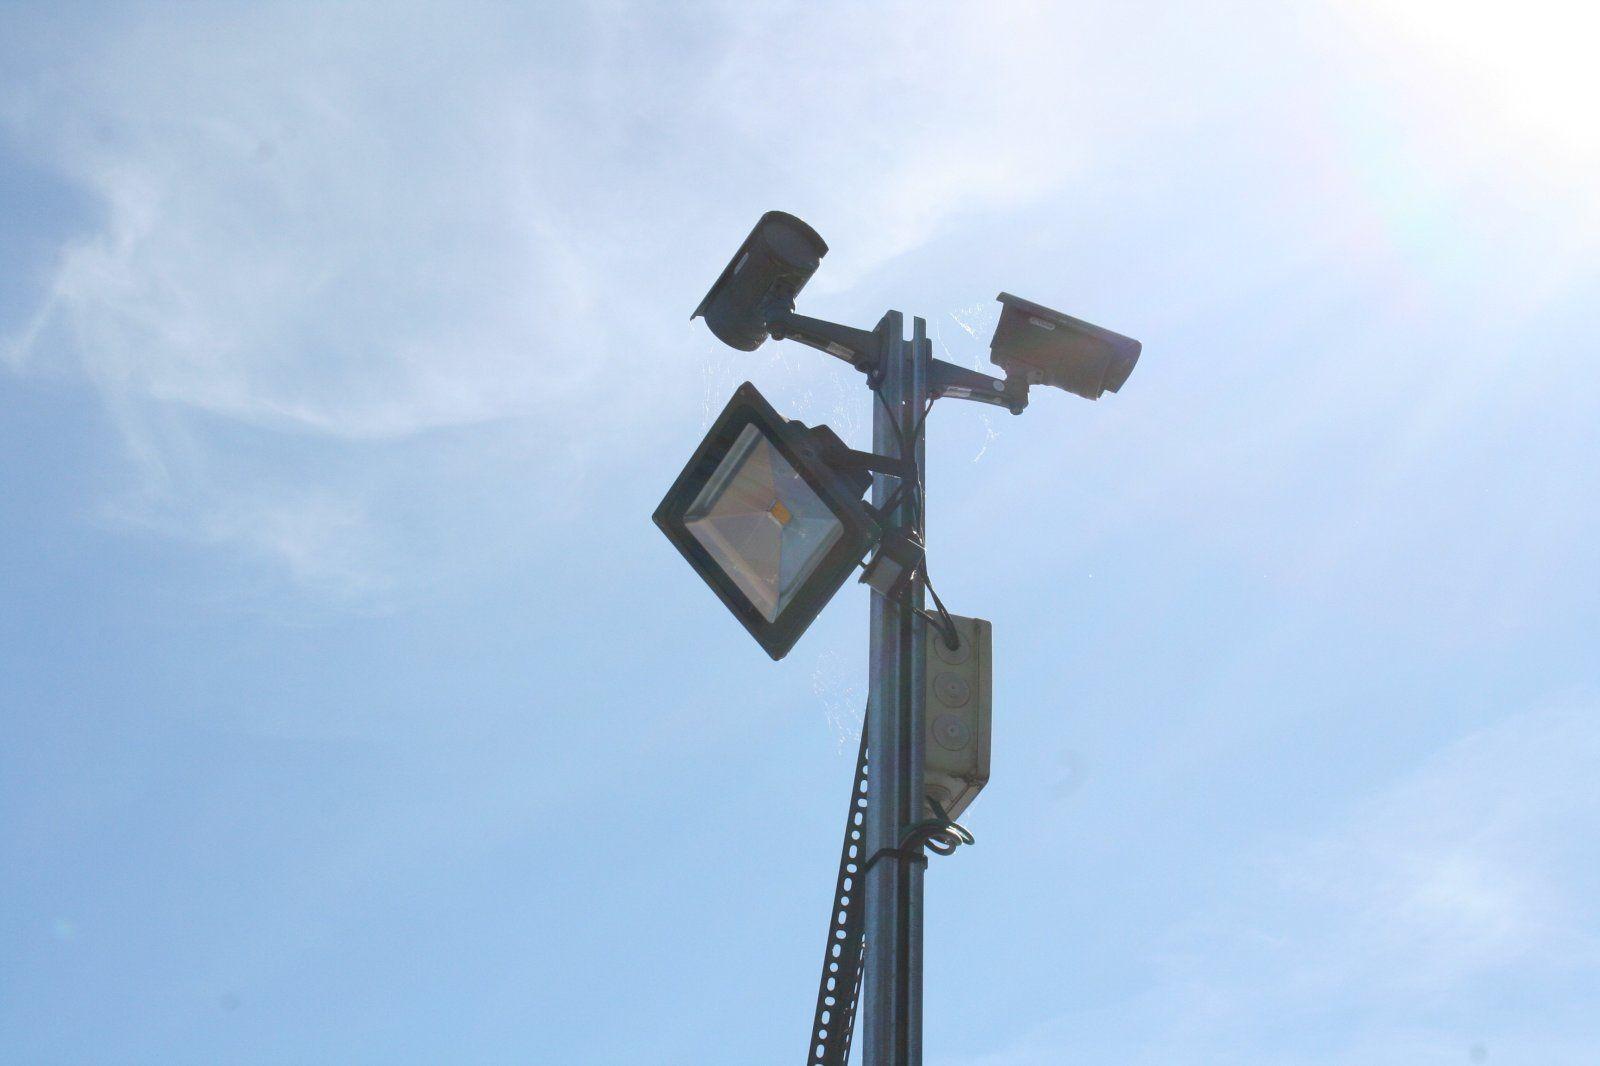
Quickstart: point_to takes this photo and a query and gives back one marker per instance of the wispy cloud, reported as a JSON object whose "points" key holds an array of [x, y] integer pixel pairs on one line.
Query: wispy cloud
{"points": [[375, 223], [362, 226], [1474, 863], [1392, 937]]}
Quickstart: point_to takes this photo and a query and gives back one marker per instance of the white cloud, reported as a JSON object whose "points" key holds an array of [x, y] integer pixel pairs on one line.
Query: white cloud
{"points": [[295, 234], [371, 223], [1527, 68], [365, 225]]}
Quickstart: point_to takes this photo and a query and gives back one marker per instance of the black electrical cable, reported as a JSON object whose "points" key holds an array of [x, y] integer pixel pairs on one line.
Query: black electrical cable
{"points": [[894, 497], [905, 483], [952, 635], [948, 631], [945, 624], [940, 834]]}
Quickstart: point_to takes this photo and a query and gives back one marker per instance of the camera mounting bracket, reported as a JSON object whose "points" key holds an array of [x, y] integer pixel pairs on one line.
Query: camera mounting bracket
{"points": [[948, 379], [858, 347]]}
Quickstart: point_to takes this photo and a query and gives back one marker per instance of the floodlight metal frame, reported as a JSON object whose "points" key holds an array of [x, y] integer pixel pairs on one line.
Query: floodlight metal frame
{"points": [[807, 452]]}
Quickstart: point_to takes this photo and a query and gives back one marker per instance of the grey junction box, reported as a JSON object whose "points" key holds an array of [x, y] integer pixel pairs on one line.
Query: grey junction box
{"points": [[959, 693]]}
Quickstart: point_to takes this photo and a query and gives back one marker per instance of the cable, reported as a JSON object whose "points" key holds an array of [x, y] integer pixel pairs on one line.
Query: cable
{"points": [[907, 452], [948, 634], [894, 497], [947, 631], [940, 834], [952, 634]]}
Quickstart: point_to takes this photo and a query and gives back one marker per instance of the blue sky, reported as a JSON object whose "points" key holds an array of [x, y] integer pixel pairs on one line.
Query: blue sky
{"points": [[353, 710]]}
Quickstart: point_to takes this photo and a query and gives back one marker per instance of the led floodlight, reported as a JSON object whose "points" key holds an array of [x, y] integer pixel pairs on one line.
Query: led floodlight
{"points": [[762, 280], [1045, 347], [766, 521]]}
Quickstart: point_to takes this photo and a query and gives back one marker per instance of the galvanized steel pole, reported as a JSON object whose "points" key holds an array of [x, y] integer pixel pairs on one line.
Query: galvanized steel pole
{"points": [[891, 1006]]}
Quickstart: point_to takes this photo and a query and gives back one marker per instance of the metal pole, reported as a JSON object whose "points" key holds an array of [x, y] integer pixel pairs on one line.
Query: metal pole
{"points": [[891, 1006]]}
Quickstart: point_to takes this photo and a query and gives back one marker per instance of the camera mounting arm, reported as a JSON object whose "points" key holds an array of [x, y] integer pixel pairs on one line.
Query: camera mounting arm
{"points": [[947, 379], [858, 347]]}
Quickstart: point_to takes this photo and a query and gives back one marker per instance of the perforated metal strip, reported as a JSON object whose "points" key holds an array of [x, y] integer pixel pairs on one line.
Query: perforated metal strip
{"points": [[835, 1018]]}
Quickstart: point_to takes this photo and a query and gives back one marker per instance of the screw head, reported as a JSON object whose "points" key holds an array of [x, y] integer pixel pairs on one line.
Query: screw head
{"points": [[951, 733], [952, 690]]}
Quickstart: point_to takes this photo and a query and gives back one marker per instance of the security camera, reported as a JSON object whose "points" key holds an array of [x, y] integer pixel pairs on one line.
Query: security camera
{"points": [[762, 280], [1037, 346]]}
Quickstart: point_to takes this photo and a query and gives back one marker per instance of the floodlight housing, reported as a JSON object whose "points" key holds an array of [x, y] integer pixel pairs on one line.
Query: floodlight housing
{"points": [[766, 521], [762, 280], [1044, 347]]}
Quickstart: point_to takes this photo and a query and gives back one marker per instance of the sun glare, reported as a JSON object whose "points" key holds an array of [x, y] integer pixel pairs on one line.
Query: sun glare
{"points": [[1530, 65]]}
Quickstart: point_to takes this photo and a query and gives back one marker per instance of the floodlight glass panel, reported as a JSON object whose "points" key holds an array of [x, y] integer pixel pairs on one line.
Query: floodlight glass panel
{"points": [[761, 522]]}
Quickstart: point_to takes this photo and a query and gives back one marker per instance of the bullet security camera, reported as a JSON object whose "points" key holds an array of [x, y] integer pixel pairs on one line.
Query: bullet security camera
{"points": [[762, 280], [1044, 347]]}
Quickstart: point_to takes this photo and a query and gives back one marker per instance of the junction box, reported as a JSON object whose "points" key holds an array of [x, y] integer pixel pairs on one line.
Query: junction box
{"points": [[959, 692]]}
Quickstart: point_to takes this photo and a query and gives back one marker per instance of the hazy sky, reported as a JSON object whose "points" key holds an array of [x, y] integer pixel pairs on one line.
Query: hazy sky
{"points": [[353, 711]]}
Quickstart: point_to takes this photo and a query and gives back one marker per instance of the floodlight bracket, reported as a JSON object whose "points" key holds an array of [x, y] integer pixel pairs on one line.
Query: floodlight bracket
{"points": [[858, 347], [957, 382], [854, 466], [872, 462]]}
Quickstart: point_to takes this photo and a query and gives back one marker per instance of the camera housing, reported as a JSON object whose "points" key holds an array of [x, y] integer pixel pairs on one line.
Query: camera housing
{"points": [[1038, 346], [762, 280]]}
